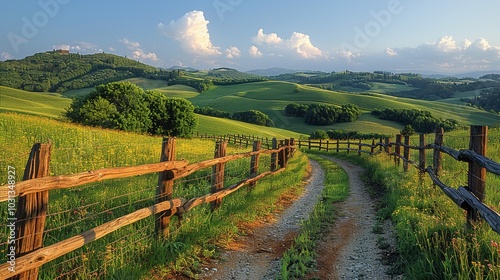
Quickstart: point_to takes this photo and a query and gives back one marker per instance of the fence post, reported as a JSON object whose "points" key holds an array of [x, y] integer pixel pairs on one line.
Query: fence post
{"points": [[338, 145], [421, 154], [359, 147], [477, 173], [438, 157], [406, 152], [397, 159], [165, 187], [254, 163], [282, 155], [32, 208], [348, 145], [388, 149], [274, 156], [380, 147], [292, 148], [327, 144], [372, 150], [320, 143], [218, 173]]}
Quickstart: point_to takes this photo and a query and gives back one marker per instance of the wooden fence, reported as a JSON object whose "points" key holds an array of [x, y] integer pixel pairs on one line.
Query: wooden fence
{"points": [[468, 197], [242, 140], [33, 193]]}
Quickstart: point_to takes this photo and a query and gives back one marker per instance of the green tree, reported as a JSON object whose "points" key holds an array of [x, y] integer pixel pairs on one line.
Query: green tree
{"points": [[319, 134], [408, 131], [181, 120]]}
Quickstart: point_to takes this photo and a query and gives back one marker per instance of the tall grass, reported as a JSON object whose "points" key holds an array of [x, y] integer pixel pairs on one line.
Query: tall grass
{"points": [[434, 240], [133, 251]]}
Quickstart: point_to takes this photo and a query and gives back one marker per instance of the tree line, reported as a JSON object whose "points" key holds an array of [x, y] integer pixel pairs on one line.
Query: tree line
{"points": [[489, 100], [251, 116], [323, 114], [420, 120]]}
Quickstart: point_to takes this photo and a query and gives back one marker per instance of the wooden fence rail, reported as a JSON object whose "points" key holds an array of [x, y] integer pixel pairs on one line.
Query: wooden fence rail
{"points": [[469, 198], [31, 215]]}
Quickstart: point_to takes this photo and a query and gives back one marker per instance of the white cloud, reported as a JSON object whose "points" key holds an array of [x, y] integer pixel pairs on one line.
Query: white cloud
{"points": [[6, 56], [129, 44], [270, 39], [447, 54], [85, 47], [137, 52], [301, 44], [62, 47], [111, 49], [254, 52], [233, 52], [390, 52], [191, 31], [298, 44]]}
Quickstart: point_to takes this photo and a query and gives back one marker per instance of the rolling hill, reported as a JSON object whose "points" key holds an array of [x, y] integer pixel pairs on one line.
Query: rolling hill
{"points": [[271, 97]]}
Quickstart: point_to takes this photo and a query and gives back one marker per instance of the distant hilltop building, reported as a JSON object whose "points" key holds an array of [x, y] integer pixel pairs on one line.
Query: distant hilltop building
{"points": [[62, 52]]}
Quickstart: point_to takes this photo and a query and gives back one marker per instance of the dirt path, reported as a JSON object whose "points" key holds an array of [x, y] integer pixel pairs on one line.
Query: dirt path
{"points": [[348, 251]]}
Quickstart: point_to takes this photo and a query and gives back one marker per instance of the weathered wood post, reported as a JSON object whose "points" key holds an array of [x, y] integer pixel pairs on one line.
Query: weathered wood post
{"points": [[32, 208], [388, 149], [281, 155], [421, 154], [348, 145], [397, 157], [320, 143], [406, 152], [359, 147], [254, 163], [286, 152], [338, 146], [165, 187], [438, 157], [274, 156], [292, 146], [372, 149], [477, 173], [218, 173], [327, 145], [380, 147]]}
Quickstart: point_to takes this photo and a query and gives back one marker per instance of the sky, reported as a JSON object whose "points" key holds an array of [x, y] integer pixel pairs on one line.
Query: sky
{"points": [[439, 36]]}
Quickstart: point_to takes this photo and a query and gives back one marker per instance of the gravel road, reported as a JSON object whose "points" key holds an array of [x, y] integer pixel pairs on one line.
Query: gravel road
{"points": [[347, 251]]}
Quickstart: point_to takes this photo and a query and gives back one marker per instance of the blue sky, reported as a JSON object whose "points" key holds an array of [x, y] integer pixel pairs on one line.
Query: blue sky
{"points": [[446, 36]]}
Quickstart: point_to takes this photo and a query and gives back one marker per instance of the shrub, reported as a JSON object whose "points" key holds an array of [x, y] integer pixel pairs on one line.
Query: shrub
{"points": [[318, 134], [253, 116]]}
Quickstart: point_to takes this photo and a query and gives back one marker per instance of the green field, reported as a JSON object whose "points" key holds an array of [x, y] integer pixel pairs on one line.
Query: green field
{"points": [[43, 104], [271, 97], [134, 252]]}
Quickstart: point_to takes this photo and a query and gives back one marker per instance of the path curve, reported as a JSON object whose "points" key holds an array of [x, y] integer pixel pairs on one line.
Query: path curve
{"points": [[347, 251]]}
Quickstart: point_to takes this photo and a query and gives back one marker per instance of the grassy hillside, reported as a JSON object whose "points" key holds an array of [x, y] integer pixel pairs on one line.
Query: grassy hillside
{"points": [[43, 104], [134, 252], [58, 71], [159, 85], [271, 97]]}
